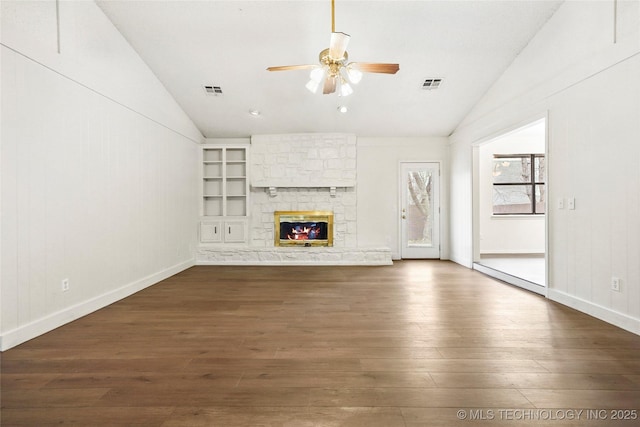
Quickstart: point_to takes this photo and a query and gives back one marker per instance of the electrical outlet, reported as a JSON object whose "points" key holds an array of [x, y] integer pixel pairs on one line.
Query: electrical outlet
{"points": [[65, 285], [615, 284]]}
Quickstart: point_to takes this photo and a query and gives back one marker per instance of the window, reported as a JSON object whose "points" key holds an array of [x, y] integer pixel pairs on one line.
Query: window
{"points": [[518, 184]]}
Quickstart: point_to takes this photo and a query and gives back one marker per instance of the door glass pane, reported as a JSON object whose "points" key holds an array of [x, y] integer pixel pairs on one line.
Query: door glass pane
{"points": [[419, 210]]}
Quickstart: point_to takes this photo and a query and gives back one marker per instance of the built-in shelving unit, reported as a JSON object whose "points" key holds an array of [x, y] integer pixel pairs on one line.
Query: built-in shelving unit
{"points": [[213, 180], [225, 192]]}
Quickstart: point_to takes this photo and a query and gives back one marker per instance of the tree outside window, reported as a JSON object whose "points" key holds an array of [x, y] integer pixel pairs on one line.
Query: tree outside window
{"points": [[420, 206]]}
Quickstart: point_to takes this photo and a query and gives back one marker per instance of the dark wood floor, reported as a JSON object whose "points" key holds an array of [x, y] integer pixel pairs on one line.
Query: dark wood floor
{"points": [[405, 345]]}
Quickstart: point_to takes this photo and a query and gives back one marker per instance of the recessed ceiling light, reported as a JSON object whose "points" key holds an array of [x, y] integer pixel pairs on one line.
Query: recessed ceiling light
{"points": [[343, 108], [254, 113]]}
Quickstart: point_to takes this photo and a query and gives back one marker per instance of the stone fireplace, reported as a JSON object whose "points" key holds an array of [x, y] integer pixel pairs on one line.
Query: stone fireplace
{"points": [[301, 172]]}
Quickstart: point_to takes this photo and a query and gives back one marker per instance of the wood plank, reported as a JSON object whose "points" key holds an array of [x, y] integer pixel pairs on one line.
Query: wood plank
{"points": [[396, 345], [286, 416]]}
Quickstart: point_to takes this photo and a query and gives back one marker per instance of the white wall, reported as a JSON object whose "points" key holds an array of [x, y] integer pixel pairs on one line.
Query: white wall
{"points": [[378, 187], [93, 54], [94, 186], [587, 83], [508, 234]]}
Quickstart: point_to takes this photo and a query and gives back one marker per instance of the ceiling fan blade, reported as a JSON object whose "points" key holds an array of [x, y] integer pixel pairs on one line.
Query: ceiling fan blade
{"points": [[374, 67], [329, 85], [338, 45], [292, 67]]}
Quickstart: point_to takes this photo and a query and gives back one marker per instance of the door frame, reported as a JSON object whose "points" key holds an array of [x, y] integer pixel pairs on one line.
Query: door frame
{"points": [[439, 206], [475, 205]]}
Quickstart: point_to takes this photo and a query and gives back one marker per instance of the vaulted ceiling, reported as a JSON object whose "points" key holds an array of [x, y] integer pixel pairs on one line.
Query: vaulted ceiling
{"points": [[229, 44]]}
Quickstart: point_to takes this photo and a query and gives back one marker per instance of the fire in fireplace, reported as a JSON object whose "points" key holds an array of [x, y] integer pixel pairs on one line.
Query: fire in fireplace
{"points": [[303, 228]]}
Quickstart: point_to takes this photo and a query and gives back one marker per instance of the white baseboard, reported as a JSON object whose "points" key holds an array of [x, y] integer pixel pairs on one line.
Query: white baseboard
{"points": [[499, 252], [464, 261], [48, 323], [497, 274], [605, 314]]}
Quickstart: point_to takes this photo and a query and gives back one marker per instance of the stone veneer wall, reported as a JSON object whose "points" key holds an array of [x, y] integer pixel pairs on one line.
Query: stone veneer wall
{"points": [[303, 160], [303, 168]]}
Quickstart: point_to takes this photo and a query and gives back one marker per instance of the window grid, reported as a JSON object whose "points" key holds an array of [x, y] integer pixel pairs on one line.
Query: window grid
{"points": [[534, 184]]}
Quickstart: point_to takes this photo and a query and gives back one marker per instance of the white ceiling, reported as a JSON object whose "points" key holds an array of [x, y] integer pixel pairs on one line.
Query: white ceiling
{"points": [[230, 44]]}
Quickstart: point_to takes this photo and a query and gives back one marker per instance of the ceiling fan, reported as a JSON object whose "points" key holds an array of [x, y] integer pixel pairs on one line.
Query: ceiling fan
{"points": [[334, 71]]}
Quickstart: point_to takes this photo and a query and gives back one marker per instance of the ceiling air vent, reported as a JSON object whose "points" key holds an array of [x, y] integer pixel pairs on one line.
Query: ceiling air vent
{"points": [[213, 90], [431, 84]]}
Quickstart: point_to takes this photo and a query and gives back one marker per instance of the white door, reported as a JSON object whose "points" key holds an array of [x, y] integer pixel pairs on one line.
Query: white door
{"points": [[420, 209]]}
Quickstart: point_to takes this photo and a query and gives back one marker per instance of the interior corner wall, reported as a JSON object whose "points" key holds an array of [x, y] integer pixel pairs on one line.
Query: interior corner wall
{"points": [[378, 187], [98, 182], [460, 205], [586, 82]]}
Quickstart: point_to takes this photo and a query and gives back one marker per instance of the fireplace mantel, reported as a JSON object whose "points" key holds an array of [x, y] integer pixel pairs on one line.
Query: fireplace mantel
{"points": [[272, 186]]}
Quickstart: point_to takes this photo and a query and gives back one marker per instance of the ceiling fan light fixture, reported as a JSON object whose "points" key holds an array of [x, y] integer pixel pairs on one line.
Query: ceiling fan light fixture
{"points": [[345, 88], [313, 86], [354, 75], [317, 74], [335, 72]]}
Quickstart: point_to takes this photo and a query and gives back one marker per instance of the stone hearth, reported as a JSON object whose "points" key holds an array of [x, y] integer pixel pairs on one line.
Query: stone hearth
{"points": [[294, 256]]}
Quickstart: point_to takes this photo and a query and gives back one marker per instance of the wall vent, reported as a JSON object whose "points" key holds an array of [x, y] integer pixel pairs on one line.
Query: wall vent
{"points": [[431, 84], [212, 90]]}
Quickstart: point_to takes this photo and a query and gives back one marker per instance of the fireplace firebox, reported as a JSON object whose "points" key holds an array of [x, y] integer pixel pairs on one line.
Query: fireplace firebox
{"points": [[303, 228]]}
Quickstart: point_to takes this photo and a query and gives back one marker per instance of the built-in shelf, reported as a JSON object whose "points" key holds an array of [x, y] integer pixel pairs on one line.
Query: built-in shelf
{"points": [[225, 192], [224, 177]]}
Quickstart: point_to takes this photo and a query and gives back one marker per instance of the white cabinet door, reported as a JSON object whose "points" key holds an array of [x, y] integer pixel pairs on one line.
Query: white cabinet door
{"points": [[235, 231], [211, 231]]}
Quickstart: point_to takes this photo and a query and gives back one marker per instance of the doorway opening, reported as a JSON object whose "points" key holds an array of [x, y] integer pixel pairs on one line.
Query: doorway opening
{"points": [[510, 194]]}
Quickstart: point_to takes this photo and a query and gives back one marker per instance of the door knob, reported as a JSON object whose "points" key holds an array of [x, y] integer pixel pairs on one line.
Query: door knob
{"points": [[404, 217]]}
